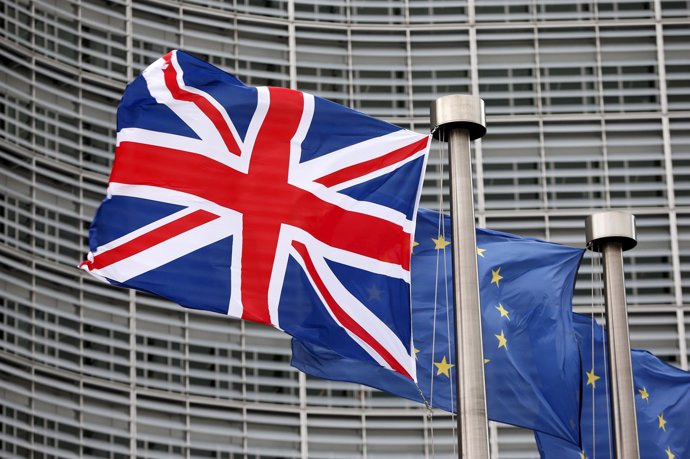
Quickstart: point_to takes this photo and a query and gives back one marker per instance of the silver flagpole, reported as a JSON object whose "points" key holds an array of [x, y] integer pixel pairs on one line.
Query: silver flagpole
{"points": [[611, 233], [460, 119]]}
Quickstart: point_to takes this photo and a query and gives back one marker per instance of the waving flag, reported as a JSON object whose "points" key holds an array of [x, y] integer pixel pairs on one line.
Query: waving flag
{"points": [[662, 404], [267, 204], [532, 364]]}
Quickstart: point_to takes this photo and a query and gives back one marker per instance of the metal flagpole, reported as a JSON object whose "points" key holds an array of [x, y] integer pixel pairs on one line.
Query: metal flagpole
{"points": [[611, 233], [460, 119]]}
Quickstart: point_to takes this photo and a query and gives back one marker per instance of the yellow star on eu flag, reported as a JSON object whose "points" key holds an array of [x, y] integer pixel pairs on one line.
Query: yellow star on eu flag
{"points": [[443, 367], [440, 243], [502, 341], [583, 455], [480, 252], [592, 379], [669, 454], [496, 276], [662, 422], [503, 311], [644, 394], [414, 244], [416, 351]]}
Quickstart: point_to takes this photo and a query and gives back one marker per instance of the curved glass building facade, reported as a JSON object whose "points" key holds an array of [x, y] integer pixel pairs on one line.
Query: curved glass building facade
{"points": [[588, 108]]}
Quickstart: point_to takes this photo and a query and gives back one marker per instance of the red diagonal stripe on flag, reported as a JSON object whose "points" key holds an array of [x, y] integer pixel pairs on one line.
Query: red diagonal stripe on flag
{"points": [[170, 76], [343, 317], [150, 239], [367, 167]]}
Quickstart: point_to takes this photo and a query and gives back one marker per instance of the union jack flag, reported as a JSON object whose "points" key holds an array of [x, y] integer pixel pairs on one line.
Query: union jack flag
{"points": [[266, 204]]}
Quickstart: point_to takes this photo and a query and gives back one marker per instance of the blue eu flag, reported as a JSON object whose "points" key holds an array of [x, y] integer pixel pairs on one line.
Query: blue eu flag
{"points": [[662, 403], [531, 355]]}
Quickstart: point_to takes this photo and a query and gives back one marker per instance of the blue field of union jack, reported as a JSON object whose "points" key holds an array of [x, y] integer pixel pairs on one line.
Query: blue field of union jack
{"points": [[266, 204]]}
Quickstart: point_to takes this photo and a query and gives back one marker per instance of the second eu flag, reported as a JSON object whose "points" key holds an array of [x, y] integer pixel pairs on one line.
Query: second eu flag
{"points": [[662, 404]]}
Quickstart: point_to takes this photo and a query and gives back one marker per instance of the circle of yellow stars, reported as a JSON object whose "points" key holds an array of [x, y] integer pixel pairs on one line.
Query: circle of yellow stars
{"points": [[444, 367]]}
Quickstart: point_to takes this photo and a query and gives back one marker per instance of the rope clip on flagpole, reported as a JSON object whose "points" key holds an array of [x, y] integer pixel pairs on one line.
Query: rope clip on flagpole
{"points": [[460, 119], [611, 233]]}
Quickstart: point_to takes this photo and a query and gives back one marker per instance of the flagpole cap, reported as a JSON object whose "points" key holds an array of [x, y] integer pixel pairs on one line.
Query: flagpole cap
{"points": [[458, 111], [610, 226]]}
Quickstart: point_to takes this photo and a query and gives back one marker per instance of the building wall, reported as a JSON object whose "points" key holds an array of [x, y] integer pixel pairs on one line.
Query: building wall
{"points": [[588, 105]]}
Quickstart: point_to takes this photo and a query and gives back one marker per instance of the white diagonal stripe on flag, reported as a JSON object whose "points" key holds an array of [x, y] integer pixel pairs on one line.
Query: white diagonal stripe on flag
{"points": [[170, 196], [167, 251], [363, 316], [354, 154]]}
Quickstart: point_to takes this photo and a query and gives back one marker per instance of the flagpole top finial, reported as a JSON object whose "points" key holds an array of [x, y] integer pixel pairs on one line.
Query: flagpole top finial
{"points": [[610, 226], [458, 111]]}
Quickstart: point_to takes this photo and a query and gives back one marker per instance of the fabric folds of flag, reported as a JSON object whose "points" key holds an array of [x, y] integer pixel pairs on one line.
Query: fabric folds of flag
{"points": [[531, 356], [662, 404], [266, 204]]}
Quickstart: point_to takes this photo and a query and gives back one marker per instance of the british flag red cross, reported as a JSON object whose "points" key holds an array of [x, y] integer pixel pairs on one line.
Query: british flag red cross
{"points": [[266, 204]]}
